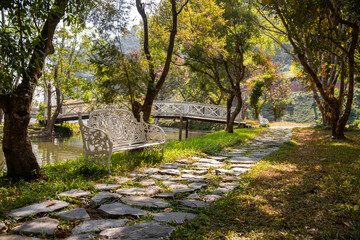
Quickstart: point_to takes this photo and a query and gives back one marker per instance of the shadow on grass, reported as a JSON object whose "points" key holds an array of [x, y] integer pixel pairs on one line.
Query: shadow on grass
{"points": [[309, 189]]}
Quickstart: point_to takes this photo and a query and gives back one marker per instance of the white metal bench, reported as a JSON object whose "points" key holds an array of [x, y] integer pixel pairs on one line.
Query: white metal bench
{"points": [[114, 130]]}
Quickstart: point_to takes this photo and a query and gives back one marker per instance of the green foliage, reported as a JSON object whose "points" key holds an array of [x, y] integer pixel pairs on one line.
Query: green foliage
{"points": [[119, 76], [21, 26], [40, 113], [65, 130], [255, 95]]}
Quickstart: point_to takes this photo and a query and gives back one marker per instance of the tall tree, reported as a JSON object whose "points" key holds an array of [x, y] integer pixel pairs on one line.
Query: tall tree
{"points": [[255, 98], [64, 69], [218, 48], [324, 35], [147, 68], [157, 79], [26, 37]]}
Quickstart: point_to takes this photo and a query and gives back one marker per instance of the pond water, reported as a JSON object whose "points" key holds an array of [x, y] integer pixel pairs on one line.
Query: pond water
{"points": [[49, 151]]}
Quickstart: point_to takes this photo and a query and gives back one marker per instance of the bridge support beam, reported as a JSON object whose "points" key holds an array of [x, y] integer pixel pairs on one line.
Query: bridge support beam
{"points": [[187, 129], [180, 128]]}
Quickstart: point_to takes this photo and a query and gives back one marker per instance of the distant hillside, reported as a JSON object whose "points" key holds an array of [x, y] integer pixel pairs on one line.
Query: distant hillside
{"points": [[303, 109]]}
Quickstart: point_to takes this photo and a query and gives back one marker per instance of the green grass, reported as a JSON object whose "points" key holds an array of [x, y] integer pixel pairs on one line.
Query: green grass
{"points": [[72, 174], [309, 189]]}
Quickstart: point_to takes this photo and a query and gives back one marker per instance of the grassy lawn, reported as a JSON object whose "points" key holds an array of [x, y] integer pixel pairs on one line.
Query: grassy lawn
{"points": [[72, 174], [309, 189]]}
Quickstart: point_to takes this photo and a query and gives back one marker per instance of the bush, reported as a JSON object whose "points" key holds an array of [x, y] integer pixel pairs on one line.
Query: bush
{"points": [[65, 130]]}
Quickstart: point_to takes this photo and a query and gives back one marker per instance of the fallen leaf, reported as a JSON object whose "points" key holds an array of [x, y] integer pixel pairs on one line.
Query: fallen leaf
{"points": [[51, 204], [239, 220], [168, 210]]}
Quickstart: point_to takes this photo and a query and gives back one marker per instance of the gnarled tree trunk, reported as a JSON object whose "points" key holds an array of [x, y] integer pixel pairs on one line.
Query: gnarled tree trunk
{"points": [[20, 160]]}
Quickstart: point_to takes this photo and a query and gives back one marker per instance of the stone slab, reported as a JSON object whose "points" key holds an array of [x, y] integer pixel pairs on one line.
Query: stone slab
{"points": [[170, 172], [234, 161], [102, 197], [230, 178], [172, 165], [147, 182], [43, 225], [138, 175], [218, 158], [47, 206], [86, 236], [165, 195], [229, 185], [144, 231], [221, 191], [16, 237], [151, 170], [177, 186], [119, 209], [196, 172], [173, 217], [209, 160], [160, 177], [242, 170], [139, 191], [98, 225], [239, 159], [106, 186], [122, 180], [142, 201], [242, 165], [76, 193], [211, 198], [74, 214], [193, 203], [208, 165], [184, 190], [193, 196], [183, 161], [194, 178], [226, 171], [197, 185]]}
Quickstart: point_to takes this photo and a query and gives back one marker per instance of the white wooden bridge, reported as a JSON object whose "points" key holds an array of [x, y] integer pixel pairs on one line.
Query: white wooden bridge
{"points": [[184, 111], [190, 110], [161, 109]]}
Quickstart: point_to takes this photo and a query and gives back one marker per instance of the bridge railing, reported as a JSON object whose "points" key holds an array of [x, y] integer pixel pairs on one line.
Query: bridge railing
{"points": [[168, 108], [71, 109], [161, 108]]}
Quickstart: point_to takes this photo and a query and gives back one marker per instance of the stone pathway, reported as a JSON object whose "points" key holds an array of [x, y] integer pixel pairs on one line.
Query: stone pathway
{"points": [[160, 198]]}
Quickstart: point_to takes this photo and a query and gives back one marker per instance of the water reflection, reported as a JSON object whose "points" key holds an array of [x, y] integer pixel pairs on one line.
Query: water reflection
{"points": [[55, 150]]}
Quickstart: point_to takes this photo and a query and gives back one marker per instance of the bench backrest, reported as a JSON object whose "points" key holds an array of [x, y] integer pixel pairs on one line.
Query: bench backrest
{"points": [[120, 124]]}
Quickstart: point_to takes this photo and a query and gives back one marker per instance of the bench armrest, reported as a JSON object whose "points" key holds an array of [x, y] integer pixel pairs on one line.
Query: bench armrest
{"points": [[95, 140], [156, 134]]}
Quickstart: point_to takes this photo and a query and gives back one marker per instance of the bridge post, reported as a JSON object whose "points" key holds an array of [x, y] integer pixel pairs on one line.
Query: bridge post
{"points": [[180, 127], [187, 129]]}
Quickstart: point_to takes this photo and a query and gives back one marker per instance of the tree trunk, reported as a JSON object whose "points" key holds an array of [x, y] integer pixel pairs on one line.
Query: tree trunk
{"points": [[243, 111], [48, 117], [229, 102], [20, 160], [230, 127], [1, 115], [147, 106], [48, 130]]}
